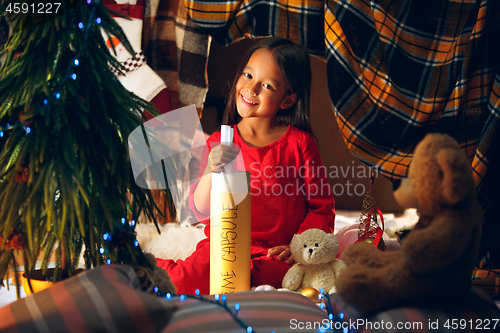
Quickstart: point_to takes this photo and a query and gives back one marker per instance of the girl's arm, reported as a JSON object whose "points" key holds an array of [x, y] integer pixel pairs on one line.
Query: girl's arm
{"points": [[319, 196], [218, 157]]}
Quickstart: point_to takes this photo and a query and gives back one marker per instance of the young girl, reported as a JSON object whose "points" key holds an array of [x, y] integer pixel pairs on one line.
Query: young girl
{"points": [[268, 109]]}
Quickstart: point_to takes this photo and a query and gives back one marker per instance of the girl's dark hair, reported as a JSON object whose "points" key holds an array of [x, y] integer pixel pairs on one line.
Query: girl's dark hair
{"points": [[293, 60]]}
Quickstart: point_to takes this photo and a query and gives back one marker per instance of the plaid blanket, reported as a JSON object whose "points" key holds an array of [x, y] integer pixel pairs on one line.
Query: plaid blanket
{"points": [[487, 280], [230, 21], [396, 71], [177, 49]]}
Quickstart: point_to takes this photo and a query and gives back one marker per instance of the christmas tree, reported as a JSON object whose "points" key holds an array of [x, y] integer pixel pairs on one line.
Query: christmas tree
{"points": [[66, 182]]}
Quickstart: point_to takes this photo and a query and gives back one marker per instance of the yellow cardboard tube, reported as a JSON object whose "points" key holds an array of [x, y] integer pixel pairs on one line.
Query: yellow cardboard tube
{"points": [[230, 226]]}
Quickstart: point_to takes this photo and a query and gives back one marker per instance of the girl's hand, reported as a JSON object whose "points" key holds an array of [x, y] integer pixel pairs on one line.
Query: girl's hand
{"points": [[283, 251], [220, 156]]}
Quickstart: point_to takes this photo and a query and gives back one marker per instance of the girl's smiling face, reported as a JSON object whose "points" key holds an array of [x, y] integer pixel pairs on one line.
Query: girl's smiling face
{"points": [[261, 88]]}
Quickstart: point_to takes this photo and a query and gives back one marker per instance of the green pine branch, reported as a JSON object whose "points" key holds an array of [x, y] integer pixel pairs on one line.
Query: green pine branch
{"points": [[68, 181]]}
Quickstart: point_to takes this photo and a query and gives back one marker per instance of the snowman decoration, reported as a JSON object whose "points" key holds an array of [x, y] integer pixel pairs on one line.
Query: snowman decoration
{"points": [[139, 78]]}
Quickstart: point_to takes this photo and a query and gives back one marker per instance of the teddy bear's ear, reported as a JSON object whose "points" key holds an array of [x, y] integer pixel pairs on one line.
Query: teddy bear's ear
{"points": [[404, 194], [457, 183]]}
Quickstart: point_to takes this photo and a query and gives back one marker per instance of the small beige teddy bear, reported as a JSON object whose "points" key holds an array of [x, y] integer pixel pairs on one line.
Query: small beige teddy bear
{"points": [[316, 267]]}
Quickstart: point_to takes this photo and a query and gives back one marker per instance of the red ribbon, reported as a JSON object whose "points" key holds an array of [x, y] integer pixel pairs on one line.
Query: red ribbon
{"points": [[369, 233], [132, 11]]}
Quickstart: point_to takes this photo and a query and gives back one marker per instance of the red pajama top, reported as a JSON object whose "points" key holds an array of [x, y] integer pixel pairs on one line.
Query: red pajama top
{"points": [[290, 191]]}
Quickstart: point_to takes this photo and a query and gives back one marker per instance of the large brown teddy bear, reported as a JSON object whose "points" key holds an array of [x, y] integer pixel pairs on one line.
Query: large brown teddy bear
{"points": [[436, 259]]}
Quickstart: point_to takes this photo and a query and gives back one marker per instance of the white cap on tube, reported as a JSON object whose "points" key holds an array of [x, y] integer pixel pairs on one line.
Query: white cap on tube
{"points": [[226, 137]]}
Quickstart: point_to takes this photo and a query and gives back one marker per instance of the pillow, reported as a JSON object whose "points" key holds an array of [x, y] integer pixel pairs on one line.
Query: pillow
{"points": [[264, 311], [475, 311], [103, 299]]}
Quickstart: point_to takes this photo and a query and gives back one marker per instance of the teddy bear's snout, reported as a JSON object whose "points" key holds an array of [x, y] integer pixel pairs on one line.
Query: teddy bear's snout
{"points": [[311, 251]]}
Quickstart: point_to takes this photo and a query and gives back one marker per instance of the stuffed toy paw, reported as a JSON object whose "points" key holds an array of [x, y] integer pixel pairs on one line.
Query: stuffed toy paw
{"points": [[150, 278], [316, 267], [436, 259]]}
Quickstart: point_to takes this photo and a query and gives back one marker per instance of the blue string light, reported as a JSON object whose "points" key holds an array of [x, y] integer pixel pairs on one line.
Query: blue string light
{"points": [[98, 20], [197, 292], [76, 62], [73, 76]]}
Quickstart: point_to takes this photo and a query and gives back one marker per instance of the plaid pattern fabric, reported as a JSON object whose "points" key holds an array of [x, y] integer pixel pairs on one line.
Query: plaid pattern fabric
{"points": [[177, 49], [103, 299], [475, 308], [229, 21], [398, 70], [269, 311], [487, 280], [131, 64]]}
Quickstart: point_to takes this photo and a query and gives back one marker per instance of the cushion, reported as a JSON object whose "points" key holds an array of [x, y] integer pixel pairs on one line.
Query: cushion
{"points": [[475, 311], [264, 311], [103, 299]]}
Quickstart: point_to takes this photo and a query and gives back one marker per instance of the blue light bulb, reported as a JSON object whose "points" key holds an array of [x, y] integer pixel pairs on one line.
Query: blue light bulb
{"points": [[98, 20], [168, 296], [73, 76], [105, 236], [249, 329], [77, 62], [101, 250], [80, 25], [45, 101], [58, 95], [197, 292], [108, 261]]}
